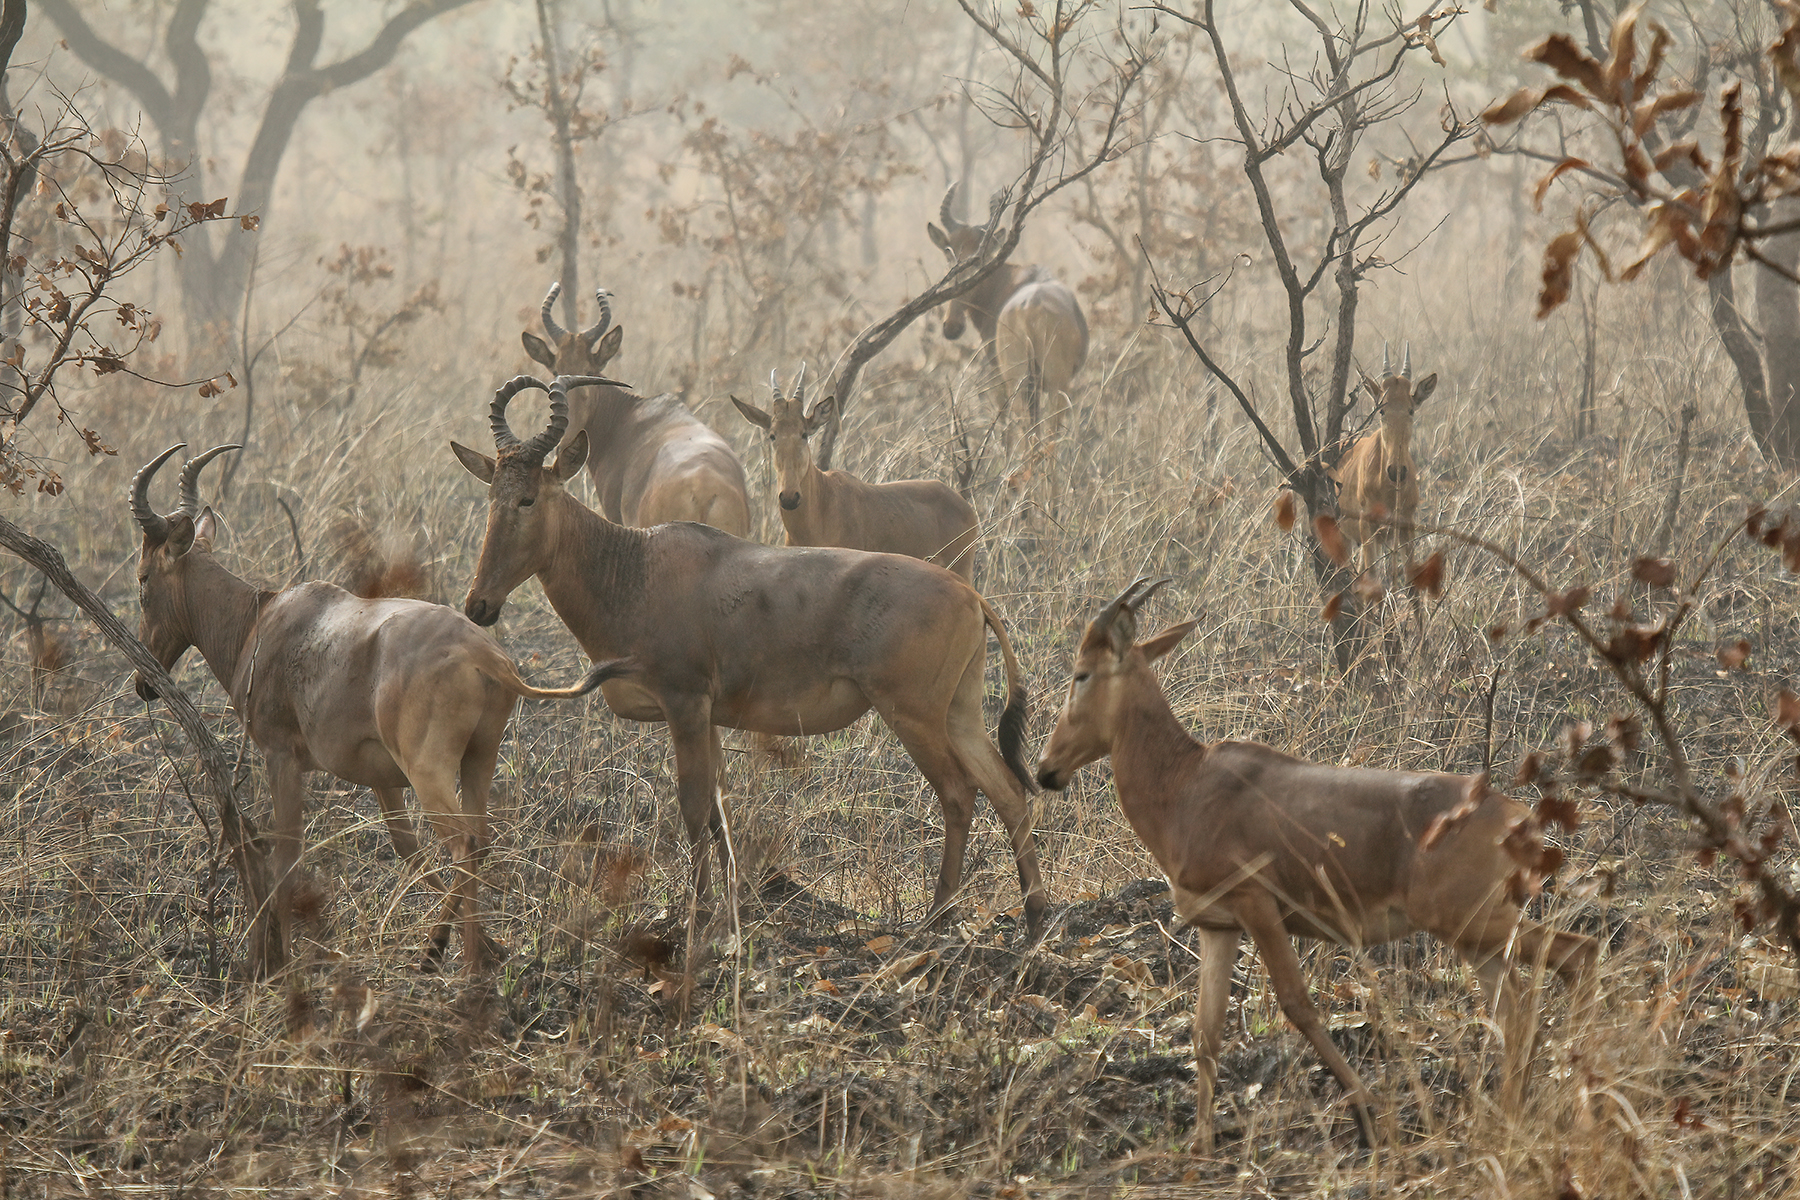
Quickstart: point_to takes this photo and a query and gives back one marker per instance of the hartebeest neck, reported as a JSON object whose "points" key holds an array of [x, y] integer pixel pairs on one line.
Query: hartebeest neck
{"points": [[596, 573], [984, 301], [219, 612], [1151, 749]]}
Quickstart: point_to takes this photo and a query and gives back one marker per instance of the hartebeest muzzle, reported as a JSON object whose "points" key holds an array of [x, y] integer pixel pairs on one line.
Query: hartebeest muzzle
{"points": [[478, 610], [790, 500], [1396, 474]]}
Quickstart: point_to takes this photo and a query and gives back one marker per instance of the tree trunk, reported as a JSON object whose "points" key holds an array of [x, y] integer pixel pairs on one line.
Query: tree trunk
{"points": [[1778, 312], [568, 188], [1734, 336], [239, 832]]}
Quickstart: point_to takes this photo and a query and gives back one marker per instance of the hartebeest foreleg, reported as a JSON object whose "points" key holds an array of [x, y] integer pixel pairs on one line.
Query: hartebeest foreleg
{"points": [[1218, 955], [698, 760]]}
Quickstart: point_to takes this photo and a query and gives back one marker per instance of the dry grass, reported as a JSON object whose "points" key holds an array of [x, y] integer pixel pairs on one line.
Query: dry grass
{"points": [[830, 1047]]}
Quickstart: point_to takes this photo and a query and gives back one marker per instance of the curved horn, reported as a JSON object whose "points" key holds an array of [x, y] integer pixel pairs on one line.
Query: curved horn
{"points": [[1385, 369], [550, 326], [996, 206], [190, 478], [1406, 362], [504, 437], [153, 525], [540, 445], [774, 384], [951, 224], [592, 334], [800, 387]]}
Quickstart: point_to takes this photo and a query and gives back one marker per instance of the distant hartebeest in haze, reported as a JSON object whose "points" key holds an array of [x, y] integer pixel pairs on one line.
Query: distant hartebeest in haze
{"points": [[382, 693], [921, 517], [1030, 323], [650, 461], [1378, 477], [771, 639]]}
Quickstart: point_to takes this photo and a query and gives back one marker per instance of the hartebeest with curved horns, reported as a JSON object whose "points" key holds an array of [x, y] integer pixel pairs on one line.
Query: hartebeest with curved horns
{"points": [[1030, 322], [771, 639], [1255, 841], [651, 461], [381, 693], [924, 518], [1378, 476]]}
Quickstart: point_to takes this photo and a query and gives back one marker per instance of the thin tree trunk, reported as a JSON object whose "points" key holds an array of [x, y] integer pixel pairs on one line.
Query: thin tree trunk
{"points": [[568, 188], [239, 832], [1778, 312]]}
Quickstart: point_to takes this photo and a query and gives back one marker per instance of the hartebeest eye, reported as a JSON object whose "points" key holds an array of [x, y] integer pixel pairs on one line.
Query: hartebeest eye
{"points": [[1081, 676], [527, 502]]}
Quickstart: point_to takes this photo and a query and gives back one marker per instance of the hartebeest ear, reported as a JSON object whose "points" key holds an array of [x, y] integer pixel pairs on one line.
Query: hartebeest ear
{"points": [[607, 347], [938, 237], [539, 349], [181, 535], [1155, 647], [480, 465], [1424, 388], [570, 458], [820, 416], [205, 527], [1373, 388], [753, 414]]}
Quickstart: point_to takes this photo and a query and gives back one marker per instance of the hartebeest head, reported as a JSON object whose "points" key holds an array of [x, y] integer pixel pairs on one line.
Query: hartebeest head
{"points": [[962, 242], [788, 426], [585, 352], [1396, 398], [523, 493], [169, 573], [1106, 666]]}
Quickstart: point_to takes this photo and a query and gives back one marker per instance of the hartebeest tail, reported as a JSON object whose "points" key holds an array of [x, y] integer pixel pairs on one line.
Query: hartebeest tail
{"points": [[1255, 841], [383, 693], [921, 517], [776, 640], [650, 460]]}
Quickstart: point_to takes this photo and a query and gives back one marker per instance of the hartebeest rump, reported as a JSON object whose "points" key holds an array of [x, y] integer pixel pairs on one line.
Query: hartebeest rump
{"points": [[651, 461], [1378, 477], [924, 518], [1255, 841], [1030, 323], [778, 640], [381, 693]]}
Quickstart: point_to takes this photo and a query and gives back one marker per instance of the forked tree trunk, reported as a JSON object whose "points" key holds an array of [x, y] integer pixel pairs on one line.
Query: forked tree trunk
{"points": [[1778, 312]]}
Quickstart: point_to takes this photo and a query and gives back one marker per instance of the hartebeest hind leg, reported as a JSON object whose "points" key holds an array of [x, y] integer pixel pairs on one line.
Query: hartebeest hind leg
{"points": [[1571, 955], [982, 760], [399, 823]]}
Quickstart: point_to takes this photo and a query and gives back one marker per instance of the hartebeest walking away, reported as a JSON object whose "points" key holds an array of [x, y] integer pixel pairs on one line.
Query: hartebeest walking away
{"points": [[1378, 477], [924, 518], [775, 640], [1255, 841], [1030, 323], [650, 460], [381, 693]]}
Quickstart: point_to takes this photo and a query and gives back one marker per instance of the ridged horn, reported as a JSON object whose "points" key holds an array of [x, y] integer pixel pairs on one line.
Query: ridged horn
{"points": [[153, 525], [550, 326], [592, 334], [800, 387], [1127, 602], [190, 478], [951, 224], [1385, 369], [1406, 363], [504, 437], [538, 446], [775, 384]]}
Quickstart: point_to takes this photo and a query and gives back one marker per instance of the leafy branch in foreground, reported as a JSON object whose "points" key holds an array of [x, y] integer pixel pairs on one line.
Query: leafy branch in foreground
{"points": [[1638, 652]]}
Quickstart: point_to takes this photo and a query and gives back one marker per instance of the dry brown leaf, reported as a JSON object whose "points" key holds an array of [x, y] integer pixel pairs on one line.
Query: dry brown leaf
{"points": [[1331, 539], [1333, 606], [1559, 271], [1284, 510]]}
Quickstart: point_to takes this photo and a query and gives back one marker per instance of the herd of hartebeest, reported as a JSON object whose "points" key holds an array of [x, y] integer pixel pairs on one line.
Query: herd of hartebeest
{"points": [[870, 604]]}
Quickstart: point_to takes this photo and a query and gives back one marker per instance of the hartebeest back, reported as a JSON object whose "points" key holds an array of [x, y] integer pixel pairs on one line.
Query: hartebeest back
{"points": [[1378, 477], [381, 693], [1255, 841], [1030, 323], [924, 518], [651, 461], [778, 640]]}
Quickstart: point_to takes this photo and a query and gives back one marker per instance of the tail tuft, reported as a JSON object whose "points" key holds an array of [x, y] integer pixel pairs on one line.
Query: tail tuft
{"points": [[600, 672], [1012, 737]]}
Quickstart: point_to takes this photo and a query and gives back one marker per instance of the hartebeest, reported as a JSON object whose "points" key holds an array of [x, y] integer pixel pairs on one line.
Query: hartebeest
{"points": [[1255, 841], [772, 639], [1378, 477], [382, 693], [651, 461], [924, 518], [1030, 323]]}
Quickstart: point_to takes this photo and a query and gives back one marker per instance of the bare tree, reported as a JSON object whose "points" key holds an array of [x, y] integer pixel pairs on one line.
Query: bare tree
{"points": [[1042, 102], [214, 276], [1329, 111]]}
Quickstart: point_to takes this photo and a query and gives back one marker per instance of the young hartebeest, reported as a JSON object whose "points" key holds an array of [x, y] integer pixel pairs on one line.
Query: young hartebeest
{"points": [[924, 518], [381, 693], [651, 461], [1378, 475], [771, 639], [1255, 841], [1030, 323]]}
